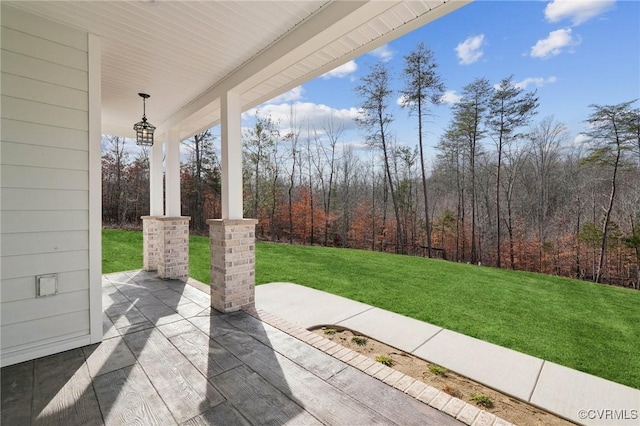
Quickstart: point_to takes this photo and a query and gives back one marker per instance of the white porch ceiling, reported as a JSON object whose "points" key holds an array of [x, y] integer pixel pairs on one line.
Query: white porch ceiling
{"points": [[185, 54]]}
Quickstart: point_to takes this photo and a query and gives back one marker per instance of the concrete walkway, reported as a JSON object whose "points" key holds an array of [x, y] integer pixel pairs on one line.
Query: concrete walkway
{"points": [[577, 396]]}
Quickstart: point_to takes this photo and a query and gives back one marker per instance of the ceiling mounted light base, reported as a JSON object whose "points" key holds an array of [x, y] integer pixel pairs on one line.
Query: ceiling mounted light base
{"points": [[144, 129]]}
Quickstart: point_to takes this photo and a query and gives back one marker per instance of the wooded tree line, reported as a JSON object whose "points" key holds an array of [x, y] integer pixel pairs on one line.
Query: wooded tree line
{"points": [[507, 188], [125, 181]]}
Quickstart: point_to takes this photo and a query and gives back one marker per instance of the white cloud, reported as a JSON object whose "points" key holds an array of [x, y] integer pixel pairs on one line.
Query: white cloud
{"points": [[470, 50], [580, 139], [291, 95], [536, 81], [402, 101], [341, 71], [554, 44], [578, 11], [450, 97], [383, 53], [305, 113], [354, 145]]}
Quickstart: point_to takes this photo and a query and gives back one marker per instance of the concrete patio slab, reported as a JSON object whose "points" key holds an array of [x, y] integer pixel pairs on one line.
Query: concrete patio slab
{"points": [[190, 370], [406, 333], [504, 369], [586, 399], [295, 301]]}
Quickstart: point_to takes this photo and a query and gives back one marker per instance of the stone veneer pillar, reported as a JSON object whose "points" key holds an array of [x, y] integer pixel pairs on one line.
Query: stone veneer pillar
{"points": [[166, 246], [232, 263]]}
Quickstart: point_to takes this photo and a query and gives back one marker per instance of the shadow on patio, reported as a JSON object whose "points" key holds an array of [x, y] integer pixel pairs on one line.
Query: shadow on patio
{"points": [[167, 358]]}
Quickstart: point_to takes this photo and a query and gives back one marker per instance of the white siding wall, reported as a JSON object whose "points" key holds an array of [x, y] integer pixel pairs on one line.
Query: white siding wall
{"points": [[44, 186]]}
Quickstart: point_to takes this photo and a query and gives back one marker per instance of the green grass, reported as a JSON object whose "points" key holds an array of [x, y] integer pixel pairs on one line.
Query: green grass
{"points": [[121, 250], [589, 327], [199, 259]]}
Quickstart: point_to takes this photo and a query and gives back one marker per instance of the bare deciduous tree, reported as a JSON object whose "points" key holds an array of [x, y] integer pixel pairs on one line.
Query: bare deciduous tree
{"points": [[509, 109], [422, 85], [468, 119], [613, 134], [375, 92]]}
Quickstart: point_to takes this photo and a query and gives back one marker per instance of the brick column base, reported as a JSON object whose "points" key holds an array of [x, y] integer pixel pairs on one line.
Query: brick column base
{"points": [[166, 246], [150, 239], [232, 264], [174, 248]]}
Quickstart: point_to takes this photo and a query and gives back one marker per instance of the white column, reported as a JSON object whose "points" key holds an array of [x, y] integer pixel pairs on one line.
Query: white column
{"points": [[156, 192], [172, 174], [231, 132]]}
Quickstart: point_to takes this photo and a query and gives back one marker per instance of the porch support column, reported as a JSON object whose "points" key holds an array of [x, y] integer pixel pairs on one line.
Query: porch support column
{"points": [[172, 170], [232, 238], [150, 240], [231, 133], [150, 235], [156, 193], [173, 248], [166, 238], [232, 264]]}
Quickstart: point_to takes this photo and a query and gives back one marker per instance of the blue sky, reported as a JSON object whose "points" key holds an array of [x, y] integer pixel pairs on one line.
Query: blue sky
{"points": [[573, 52]]}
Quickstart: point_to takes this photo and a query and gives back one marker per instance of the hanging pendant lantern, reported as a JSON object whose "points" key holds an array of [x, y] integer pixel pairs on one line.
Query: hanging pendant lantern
{"points": [[144, 129]]}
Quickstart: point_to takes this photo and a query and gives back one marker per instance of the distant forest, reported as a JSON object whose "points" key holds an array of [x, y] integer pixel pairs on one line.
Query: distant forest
{"points": [[507, 189]]}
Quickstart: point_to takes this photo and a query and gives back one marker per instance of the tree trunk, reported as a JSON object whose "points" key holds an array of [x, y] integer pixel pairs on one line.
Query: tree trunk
{"points": [[256, 191], [578, 265], [399, 236], [607, 217], [311, 208], [424, 178], [290, 192], [498, 242], [512, 257]]}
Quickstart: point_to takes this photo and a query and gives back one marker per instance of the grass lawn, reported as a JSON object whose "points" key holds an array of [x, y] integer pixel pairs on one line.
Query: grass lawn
{"points": [[121, 250], [589, 327]]}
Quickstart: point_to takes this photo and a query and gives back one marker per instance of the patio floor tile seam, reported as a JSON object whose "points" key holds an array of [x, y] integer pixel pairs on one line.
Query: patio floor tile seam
{"points": [[420, 391]]}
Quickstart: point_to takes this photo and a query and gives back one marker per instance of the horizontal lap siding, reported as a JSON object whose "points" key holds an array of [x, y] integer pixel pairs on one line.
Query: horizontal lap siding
{"points": [[38, 134], [43, 71], [43, 199], [42, 178], [44, 191], [20, 154], [14, 289], [44, 242], [38, 264], [44, 331]]}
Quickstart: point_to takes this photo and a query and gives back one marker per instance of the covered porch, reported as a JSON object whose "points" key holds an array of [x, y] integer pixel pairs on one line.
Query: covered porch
{"points": [[72, 72], [79, 348], [168, 358]]}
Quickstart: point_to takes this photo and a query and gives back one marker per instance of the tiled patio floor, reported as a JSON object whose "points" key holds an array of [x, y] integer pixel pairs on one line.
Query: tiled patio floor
{"points": [[167, 359]]}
